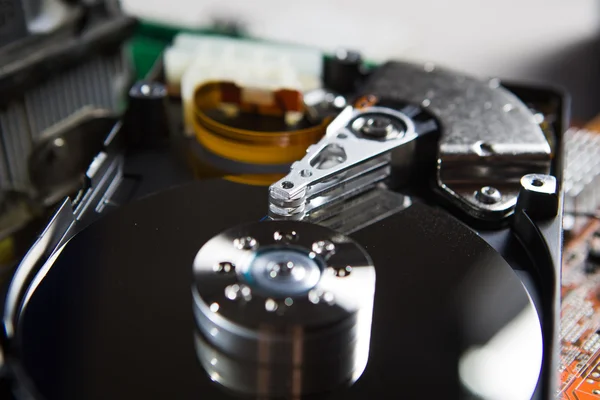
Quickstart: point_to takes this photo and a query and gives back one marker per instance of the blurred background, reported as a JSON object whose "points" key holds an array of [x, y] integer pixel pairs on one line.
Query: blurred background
{"points": [[536, 41]]}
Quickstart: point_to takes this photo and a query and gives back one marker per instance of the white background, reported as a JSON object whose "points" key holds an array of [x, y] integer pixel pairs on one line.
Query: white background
{"points": [[533, 40]]}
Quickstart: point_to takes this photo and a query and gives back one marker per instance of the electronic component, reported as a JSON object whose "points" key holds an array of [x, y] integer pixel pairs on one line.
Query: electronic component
{"points": [[256, 137], [582, 174], [68, 69], [243, 102], [580, 323], [379, 246], [343, 72], [363, 140], [467, 147], [256, 69], [581, 270]]}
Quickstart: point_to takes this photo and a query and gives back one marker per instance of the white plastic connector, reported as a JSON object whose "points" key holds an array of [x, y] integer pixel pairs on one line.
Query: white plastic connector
{"points": [[258, 68]]}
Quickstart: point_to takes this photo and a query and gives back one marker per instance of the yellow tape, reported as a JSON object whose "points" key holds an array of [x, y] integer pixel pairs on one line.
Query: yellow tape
{"points": [[247, 146]]}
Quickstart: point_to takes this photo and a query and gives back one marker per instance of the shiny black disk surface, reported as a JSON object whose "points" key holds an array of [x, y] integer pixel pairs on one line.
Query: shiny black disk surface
{"points": [[113, 319]]}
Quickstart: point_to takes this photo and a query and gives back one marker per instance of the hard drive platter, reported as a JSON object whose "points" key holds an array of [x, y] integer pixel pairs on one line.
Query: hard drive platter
{"points": [[114, 316], [340, 230]]}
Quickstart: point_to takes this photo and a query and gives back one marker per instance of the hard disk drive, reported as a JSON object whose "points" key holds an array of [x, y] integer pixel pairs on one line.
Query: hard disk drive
{"points": [[411, 251]]}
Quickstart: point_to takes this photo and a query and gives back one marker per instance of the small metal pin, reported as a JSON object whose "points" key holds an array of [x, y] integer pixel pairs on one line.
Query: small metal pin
{"points": [[285, 236], [232, 292], [225, 267], [343, 272], [271, 305], [246, 292], [245, 243], [484, 148], [488, 195], [323, 247]]}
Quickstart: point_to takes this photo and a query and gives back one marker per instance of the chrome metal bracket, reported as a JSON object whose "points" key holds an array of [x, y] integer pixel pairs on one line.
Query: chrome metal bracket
{"points": [[489, 137], [353, 157], [488, 140]]}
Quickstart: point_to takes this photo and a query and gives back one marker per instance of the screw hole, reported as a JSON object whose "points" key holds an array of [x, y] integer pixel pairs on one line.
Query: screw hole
{"points": [[342, 136], [305, 174], [488, 195], [489, 191], [486, 147], [537, 182], [287, 185]]}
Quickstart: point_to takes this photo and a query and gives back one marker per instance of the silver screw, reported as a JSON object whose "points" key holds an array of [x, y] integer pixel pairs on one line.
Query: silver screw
{"points": [[317, 296], [224, 267], [314, 296], [488, 195], [377, 126], [271, 305], [235, 292], [232, 291], [245, 243], [145, 90], [323, 247], [282, 236], [342, 272], [246, 292]]}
